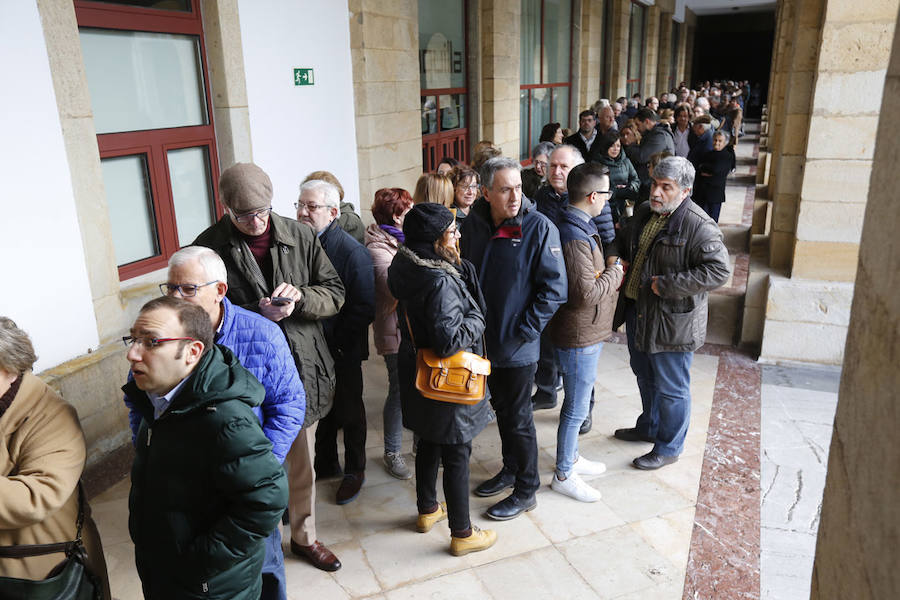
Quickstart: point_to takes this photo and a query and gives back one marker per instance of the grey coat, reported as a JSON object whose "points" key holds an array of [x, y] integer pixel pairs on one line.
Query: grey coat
{"points": [[690, 259]]}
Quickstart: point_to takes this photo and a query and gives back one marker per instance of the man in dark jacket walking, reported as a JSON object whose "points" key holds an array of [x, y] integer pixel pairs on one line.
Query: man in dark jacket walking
{"points": [[347, 336], [277, 267], [655, 137], [206, 489], [520, 266], [198, 275], [676, 257]]}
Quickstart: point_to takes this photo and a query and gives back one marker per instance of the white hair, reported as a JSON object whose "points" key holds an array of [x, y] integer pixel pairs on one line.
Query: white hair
{"points": [[211, 262], [330, 195]]}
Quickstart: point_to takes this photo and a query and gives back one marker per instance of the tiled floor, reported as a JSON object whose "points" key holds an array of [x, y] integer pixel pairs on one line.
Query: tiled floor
{"points": [[634, 543]]}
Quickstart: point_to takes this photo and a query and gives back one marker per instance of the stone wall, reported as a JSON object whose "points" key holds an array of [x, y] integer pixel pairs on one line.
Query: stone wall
{"points": [[860, 524], [500, 27], [384, 48]]}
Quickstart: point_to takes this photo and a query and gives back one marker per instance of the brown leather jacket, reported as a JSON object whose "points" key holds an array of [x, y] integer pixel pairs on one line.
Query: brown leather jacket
{"points": [[586, 317]]}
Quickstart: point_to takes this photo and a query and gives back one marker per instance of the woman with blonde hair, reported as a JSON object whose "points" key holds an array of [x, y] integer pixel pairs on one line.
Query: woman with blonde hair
{"points": [[41, 461], [434, 188]]}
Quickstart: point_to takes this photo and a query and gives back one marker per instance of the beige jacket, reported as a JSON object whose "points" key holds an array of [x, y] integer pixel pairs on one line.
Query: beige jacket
{"points": [[383, 246], [42, 455]]}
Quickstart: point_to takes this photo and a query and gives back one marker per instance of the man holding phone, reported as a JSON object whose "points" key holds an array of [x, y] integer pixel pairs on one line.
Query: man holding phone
{"points": [[278, 268]]}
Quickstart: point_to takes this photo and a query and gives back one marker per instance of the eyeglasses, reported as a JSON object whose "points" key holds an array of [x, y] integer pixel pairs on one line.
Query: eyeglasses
{"points": [[542, 163], [473, 187], [186, 290], [307, 206], [150, 343], [601, 192], [248, 217]]}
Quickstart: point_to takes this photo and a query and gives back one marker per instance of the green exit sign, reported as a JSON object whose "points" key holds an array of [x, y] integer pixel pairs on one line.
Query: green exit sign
{"points": [[303, 77]]}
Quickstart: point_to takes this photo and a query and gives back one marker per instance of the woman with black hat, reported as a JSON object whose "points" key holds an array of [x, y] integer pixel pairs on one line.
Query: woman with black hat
{"points": [[623, 179], [440, 300]]}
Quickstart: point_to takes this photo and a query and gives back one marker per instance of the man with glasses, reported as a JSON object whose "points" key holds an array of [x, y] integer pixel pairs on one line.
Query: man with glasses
{"points": [[504, 239], [579, 327], [348, 339], [277, 267], [206, 489], [197, 275]]}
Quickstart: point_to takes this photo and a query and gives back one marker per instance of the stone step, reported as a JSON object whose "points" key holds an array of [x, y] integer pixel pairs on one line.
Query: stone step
{"points": [[737, 238]]}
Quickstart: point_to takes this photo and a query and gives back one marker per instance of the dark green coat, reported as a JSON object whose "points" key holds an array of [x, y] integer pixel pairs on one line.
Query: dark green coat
{"points": [[206, 489], [351, 223], [299, 259]]}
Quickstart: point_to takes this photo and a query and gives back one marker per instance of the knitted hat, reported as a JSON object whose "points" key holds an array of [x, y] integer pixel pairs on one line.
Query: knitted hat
{"points": [[244, 187], [426, 222]]}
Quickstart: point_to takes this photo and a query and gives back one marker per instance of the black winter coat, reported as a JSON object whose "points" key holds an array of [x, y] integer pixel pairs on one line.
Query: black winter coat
{"points": [[712, 173], [206, 489], [553, 206], [446, 315], [347, 332]]}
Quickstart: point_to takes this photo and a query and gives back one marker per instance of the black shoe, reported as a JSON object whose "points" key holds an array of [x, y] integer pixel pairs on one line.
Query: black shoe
{"points": [[542, 401], [495, 485], [586, 426], [652, 461], [510, 508], [631, 435]]}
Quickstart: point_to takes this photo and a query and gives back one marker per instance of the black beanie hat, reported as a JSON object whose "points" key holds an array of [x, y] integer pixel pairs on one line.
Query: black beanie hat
{"points": [[606, 142], [426, 222]]}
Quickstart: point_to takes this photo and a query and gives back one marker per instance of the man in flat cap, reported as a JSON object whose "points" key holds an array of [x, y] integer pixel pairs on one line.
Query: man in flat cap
{"points": [[277, 267]]}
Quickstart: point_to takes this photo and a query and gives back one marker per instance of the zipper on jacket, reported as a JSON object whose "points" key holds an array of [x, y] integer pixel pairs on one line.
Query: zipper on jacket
{"points": [[205, 587], [149, 435]]}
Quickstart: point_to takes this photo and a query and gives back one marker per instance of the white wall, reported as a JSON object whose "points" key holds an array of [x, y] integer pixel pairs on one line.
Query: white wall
{"points": [[44, 277], [298, 129]]}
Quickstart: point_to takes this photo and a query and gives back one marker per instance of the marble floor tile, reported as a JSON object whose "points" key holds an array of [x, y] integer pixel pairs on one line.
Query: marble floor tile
{"points": [[402, 556], [390, 505], [543, 573], [514, 537], [464, 585], [356, 576], [561, 518], [641, 495], [669, 534]]}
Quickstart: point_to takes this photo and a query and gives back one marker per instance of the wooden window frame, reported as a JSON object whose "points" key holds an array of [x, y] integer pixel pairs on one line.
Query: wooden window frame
{"points": [[154, 144], [536, 86], [640, 78]]}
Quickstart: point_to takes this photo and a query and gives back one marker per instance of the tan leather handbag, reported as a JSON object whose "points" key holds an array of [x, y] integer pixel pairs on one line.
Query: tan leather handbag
{"points": [[460, 378]]}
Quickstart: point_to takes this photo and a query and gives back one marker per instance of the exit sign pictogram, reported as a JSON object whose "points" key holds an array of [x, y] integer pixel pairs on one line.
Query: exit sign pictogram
{"points": [[303, 77]]}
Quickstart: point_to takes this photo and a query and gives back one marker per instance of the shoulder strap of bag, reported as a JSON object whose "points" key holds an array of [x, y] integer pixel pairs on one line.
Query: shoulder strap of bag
{"points": [[413, 339], [26, 550]]}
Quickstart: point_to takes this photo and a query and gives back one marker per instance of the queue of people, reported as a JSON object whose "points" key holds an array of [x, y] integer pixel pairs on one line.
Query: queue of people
{"points": [[246, 368]]}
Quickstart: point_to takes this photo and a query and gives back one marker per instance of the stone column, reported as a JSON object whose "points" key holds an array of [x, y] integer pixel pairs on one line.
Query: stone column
{"points": [[683, 56], [664, 60], [618, 74], [689, 31], [651, 51], [591, 52], [384, 44], [856, 551], [500, 26]]}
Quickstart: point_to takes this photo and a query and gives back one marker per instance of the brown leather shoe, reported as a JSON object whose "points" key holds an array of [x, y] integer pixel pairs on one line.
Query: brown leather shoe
{"points": [[349, 488], [318, 555]]}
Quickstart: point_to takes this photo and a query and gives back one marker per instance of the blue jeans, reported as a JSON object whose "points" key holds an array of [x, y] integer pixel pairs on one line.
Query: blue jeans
{"points": [[579, 370], [393, 417], [273, 582], [664, 379]]}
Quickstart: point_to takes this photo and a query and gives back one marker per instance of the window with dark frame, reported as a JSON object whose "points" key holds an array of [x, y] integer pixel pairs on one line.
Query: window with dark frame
{"points": [[545, 69], [636, 32], [150, 98]]}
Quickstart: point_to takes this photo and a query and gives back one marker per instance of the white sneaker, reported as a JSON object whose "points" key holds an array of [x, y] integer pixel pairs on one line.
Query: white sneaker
{"points": [[574, 487], [583, 466]]}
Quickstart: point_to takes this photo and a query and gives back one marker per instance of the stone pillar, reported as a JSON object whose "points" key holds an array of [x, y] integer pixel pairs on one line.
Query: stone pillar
{"points": [[683, 57], [500, 25], [689, 32], [618, 74], [792, 142], [384, 45], [591, 53], [651, 51], [860, 523], [664, 57], [834, 82]]}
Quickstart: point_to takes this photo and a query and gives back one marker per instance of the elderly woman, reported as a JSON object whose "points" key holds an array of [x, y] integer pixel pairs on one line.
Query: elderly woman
{"points": [[41, 461], [443, 310], [540, 166], [465, 190], [553, 133], [383, 239]]}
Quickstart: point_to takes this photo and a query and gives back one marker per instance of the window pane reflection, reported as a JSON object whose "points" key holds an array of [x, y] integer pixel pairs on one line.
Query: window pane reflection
{"points": [[130, 208], [429, 114], [191, 192]]}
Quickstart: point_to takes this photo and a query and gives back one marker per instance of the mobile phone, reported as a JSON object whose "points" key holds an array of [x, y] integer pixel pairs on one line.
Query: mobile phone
{"points": [[281, 300]]}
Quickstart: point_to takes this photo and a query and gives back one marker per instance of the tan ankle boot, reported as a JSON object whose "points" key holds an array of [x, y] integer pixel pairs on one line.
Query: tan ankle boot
{"points": [[424, 523], [479, 540]]}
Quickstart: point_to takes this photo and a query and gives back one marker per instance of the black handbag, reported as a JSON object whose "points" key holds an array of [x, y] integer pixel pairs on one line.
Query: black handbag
{"points": [[70, 580]]}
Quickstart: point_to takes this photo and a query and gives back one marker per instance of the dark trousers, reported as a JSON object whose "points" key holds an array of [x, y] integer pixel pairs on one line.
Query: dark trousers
{"points": [[713, 209], [547, 377], [273, 580], [347, 413], [511, 398], [456, 480]]}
